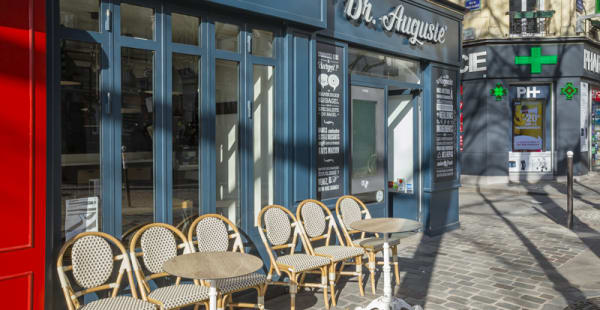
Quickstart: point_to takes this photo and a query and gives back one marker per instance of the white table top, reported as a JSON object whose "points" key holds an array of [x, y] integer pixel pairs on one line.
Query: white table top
{"points": [[386, 225], [212, 265]]}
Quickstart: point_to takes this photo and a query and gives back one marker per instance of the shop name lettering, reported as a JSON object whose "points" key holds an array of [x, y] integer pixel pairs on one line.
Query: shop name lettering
{"points": [[591, 61], [417, 30]]}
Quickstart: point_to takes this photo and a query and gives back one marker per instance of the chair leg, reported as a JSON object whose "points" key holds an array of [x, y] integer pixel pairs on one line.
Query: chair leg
{"points": [[332, 275], [324, 285], [372, 263], [358, 261], [260, 300], [395, 261], [293, 290]]}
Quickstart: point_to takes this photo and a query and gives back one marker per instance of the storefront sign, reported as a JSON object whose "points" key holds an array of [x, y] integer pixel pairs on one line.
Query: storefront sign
{"points": [[584, 119], [474, 62], [444, 101], [569, 90], [417, 30], [330, 121], [536, 60], [81, 215], [591, 61]]}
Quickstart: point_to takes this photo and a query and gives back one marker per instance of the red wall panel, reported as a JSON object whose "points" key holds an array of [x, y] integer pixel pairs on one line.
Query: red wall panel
{"points": [[22, 153]]}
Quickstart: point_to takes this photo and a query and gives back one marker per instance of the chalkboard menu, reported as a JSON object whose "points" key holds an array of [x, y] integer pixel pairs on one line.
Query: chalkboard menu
{"points": [[330, 121], [445, 116]]}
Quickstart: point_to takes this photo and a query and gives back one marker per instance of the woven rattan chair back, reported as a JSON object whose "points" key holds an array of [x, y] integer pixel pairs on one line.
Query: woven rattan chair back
{"points": [[214, 233], [318, 223], [150, 248], [92, 256], [348, 210], [279, 231]]}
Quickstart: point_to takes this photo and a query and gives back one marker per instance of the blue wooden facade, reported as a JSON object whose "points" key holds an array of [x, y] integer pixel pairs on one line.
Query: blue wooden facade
{"points": [[298, 26]]}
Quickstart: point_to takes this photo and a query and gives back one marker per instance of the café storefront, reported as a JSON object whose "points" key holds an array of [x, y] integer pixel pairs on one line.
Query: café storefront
{"points": [[163, 110]]}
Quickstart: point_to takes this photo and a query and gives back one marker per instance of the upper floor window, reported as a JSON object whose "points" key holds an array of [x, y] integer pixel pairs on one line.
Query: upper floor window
{"points": [[528, 18]]}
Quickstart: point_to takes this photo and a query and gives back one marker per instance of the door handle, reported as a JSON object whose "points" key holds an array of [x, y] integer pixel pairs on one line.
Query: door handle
{"points": [[249, 108]]}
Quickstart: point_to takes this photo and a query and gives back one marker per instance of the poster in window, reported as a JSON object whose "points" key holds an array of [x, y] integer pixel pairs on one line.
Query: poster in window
{"points": [[445, 117], [330, 121], [528, 130], [81, 215]]}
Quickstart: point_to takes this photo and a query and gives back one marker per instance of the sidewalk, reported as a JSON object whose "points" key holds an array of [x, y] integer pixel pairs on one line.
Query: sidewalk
{"points": [[512, 251]]}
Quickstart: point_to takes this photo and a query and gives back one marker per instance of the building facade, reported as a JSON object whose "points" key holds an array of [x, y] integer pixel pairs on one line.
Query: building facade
{"points": [[158, 111], [530, 85]]}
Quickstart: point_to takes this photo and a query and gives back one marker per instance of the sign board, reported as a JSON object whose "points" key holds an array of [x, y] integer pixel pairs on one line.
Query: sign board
{"points": [[330, 121], [584, 119], [530, 162], [81, 215], [446, 121], [473, 4]]}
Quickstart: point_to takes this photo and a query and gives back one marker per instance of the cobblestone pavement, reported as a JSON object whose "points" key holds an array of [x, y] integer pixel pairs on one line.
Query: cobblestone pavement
{"points": [[511, 252]]}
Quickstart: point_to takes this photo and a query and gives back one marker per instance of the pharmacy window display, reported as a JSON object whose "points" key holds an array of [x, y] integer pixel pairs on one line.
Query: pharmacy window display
{"points": [[530, 145]]}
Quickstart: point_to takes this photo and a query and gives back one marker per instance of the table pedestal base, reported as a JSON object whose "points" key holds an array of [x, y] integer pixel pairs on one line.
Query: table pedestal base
{"points": [[395, 304]]}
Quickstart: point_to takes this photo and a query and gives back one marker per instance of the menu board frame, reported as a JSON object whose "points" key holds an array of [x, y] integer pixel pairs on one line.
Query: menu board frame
{"points": [[330, 121], [445, 124]]}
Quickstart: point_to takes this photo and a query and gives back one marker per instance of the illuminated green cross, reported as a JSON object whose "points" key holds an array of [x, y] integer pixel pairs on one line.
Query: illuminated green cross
{"points": [[536, 60]]}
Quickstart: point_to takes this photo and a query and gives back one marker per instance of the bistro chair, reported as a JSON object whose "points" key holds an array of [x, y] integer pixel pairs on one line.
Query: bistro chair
{"points": [[216, 233], [88, 259], [150, 248], [350, 209], [280, 232], [318, 224]]}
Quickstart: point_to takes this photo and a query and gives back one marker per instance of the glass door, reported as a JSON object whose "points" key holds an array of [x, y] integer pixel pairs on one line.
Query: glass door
{"points": [[244, 124], [139, 125], [403, 150], [83, 48]]}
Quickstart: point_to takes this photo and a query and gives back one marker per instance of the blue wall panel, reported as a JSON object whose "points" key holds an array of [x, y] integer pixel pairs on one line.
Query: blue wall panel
{"points": [[301, 117]]}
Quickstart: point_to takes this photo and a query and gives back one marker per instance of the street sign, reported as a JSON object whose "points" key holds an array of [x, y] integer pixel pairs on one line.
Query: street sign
{"points": [[473, 4]]}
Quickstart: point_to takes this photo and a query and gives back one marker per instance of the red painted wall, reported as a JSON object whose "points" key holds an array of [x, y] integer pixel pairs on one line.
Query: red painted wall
{"points": [[22, 153]]}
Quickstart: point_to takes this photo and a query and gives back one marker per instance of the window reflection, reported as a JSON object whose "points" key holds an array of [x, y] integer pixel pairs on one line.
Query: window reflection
{"points": [[80, 136], [137, 21], [226, 139], [185, 139], [263, 114], [80, 14], [137, 136], [383, 66], [185, 28], [227, 36]]}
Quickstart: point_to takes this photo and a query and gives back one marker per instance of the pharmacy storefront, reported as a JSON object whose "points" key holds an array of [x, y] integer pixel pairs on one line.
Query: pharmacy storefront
{"points": [[160, 111], [525, 106]]}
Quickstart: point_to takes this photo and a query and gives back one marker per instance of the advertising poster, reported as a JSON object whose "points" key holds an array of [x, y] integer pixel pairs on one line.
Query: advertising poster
{"points": [[81, 215], [528, 130], [446, 122], [584, 117], [330, 121]]}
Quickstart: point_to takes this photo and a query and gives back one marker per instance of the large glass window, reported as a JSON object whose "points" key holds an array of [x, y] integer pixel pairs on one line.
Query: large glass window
{"points": [[80, 133], [262, 43], [185, 29], [137, 21], [367, 143], [186, 136], [137, 136], [264, 126], [528, 125], [383, 66], [227, 139], [80, 14], [227, 37]]}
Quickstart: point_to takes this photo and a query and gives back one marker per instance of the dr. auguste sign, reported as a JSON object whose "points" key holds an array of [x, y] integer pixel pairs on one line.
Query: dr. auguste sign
{"points": [[417, 30]]}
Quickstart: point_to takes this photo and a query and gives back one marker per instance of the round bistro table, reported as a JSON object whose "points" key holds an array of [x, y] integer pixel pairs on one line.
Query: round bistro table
{"points": [[387, 226], [212, 266]]}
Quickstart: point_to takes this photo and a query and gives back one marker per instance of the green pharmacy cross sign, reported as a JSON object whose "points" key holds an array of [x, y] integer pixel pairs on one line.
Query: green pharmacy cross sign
{"points": [[498, 91], [536, 60], [569, 90]]}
